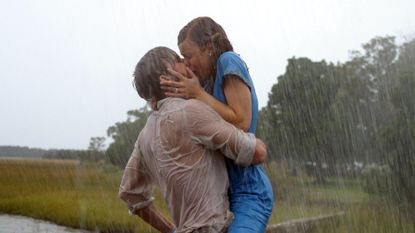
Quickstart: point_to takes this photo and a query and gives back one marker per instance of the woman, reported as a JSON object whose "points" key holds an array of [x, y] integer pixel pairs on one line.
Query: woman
{"points": [[227, 88]]}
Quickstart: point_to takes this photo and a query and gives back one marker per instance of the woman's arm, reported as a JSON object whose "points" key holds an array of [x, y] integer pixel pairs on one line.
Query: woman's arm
{"points": [[239, 109], [238, 96]]}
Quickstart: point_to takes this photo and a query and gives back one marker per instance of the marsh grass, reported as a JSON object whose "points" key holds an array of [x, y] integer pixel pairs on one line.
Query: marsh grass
{"points": [[85, 196], [301, 197], [370, 217], [68, 193]]}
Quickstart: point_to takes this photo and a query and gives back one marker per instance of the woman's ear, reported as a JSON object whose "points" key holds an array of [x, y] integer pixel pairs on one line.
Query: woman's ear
{"points": [[209, 49]]}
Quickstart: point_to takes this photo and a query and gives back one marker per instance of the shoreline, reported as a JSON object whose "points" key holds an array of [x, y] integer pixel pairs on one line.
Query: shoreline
{"points": [[21, 223]]}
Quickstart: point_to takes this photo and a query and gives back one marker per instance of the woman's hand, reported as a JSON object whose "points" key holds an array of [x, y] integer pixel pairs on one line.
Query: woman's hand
{"points": [[183, 87]]}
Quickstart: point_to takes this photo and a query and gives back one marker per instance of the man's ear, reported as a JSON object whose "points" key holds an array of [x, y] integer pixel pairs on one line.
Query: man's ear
{"points": [[153, 103]]}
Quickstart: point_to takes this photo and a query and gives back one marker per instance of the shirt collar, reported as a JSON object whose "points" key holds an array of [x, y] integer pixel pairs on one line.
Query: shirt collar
{"points": [[161, 102]]}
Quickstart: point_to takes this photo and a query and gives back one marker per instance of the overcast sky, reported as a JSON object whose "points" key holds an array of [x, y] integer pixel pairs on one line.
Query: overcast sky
{"points": [[66, 66]]}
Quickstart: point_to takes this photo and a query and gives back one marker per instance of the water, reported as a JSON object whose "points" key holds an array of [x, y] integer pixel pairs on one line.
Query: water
{"points": [[20, 224]]}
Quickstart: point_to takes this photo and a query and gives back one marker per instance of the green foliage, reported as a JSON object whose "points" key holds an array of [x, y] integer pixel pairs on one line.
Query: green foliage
{"points": [[293, 122], [376, 179], [361, 110], [97, 143], [397, 140]]}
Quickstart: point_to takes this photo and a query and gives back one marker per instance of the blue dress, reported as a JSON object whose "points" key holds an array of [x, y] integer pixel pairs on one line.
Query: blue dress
{"points": [[250, 192]]}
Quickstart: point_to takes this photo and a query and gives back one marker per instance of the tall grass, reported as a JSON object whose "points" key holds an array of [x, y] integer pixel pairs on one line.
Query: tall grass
{"points": [[300, 197], [85, 196], [371, 217], [67, 193]]}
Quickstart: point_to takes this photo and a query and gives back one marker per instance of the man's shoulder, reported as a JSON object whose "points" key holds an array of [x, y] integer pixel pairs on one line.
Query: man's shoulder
{"points": [[170, 104], [191, 104], [199, 108], [187, 105], [191, 108]]}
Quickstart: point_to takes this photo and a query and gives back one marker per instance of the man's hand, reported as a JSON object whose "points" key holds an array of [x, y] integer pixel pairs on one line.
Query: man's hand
{"points": [[260, 154], [156, 219]]}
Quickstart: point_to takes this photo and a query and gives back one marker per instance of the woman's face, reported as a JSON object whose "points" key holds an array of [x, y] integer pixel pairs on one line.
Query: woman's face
{"points": [[196, 59]]}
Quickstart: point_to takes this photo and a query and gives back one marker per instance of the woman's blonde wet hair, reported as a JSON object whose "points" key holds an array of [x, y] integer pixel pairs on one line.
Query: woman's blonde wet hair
{"points": [[204, 31]]}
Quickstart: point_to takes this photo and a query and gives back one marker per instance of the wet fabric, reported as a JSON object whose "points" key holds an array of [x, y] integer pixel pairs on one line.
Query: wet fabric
{"points": [[250, 192], [217, 227], [230, 63], [180, 150]]}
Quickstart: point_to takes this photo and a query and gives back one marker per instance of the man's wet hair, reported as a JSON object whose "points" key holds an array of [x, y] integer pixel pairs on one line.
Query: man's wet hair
{"points": [[149, 69]]}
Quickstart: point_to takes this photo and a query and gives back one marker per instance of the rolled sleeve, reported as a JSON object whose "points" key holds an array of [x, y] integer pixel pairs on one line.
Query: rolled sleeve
{"points": [[209, 129], [247, 151], [136, 187]]}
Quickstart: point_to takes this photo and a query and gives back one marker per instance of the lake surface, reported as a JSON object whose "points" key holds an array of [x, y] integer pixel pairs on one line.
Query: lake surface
{"points": [[20, 224]]}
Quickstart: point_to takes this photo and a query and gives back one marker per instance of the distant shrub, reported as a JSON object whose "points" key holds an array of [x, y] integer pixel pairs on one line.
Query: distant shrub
{"points": [[377, 179], [285, 185], [389, 184]]}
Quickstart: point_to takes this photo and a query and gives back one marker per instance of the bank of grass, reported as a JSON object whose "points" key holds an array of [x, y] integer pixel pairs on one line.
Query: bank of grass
{"points": [[301, 197], [68, 193], [370, 217], [85, 196]]}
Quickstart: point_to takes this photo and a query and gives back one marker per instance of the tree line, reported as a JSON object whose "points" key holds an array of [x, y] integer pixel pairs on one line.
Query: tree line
{"points": [[21, 151], [94, 153], [336, 114]]}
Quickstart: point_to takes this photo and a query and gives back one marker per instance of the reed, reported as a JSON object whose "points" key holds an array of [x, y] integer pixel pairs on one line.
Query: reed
{"points": [[68, 193], [301, 197], [84, 196]]}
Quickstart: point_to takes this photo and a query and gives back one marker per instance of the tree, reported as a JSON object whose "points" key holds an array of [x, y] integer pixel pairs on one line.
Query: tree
{"points": [[124, 135], [331, 113], [351, 120], [397, 139], [97, 144], [379, 66], [295, 120]]}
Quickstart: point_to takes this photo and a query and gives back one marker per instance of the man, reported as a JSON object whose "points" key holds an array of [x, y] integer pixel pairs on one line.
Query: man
{"points": [[180, 150]]}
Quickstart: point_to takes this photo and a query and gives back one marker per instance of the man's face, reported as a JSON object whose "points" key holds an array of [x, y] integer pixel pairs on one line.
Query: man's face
{"points": [[180, 67]]}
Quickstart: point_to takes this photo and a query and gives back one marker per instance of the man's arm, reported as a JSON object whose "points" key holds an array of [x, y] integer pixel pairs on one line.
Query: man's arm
{"points": [[209, 129], [260, 154], [135, 190], [155, 218]]}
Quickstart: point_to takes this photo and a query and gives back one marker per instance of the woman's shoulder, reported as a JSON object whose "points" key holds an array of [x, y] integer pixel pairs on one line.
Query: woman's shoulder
{"points": [[231, 63], [231, 60], [230, 56]]}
